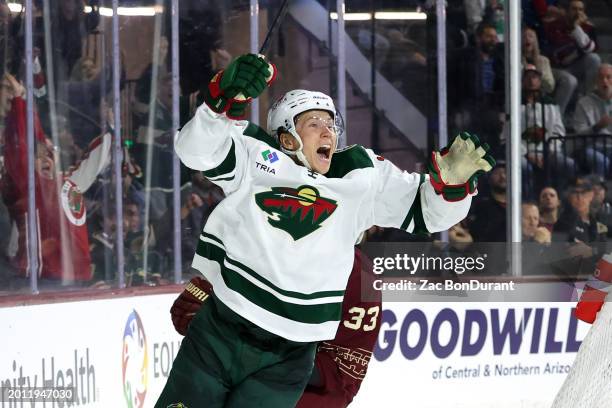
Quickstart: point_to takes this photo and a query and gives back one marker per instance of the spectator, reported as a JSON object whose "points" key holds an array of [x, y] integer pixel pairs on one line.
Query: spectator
{"points": [[600, 206], [536, 241], [478, 91], [530, 223], [200, 38], [536, 12], [487, 219], [594, 116], [68, 32], [572, 42], [549, 205], [579, 227], [531, 55], [486, 222], [490, 11], [63, 240], [81, 102], [594, 111], [85, 69], [153, 149], [541, 122], [144, 84]]}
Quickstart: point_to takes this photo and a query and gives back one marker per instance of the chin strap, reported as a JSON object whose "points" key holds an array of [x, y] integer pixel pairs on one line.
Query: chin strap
{"points": [[298, 153]]}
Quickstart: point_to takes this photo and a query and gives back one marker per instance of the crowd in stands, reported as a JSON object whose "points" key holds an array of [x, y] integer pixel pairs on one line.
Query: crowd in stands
{"points": [[566, 132], [566, 137], [75, 215]]}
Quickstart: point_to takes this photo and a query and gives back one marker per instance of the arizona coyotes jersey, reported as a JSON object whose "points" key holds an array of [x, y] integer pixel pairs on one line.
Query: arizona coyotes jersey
{"points": [[63, 243], [279, 248], [342, 362]]}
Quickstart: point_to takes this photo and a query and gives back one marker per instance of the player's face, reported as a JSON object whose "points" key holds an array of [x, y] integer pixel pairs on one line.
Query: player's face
{"points": [[317, 131]]}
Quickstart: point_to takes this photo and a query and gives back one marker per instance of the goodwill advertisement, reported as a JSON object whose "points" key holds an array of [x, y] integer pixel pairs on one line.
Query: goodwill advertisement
{"points": [[118, 353]]}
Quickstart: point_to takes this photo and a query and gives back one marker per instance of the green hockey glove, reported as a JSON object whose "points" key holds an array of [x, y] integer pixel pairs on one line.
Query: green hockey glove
{"points": [[454, 170], [232, 90]]}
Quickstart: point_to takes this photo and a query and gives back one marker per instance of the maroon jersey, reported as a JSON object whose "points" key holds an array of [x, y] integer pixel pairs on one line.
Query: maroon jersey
{"points": [[342, 362], [63, 244]]}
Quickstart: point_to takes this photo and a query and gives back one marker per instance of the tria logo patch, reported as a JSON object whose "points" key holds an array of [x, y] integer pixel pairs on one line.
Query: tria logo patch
{"points": [[297, 211], [267, 169], [269, 156]]}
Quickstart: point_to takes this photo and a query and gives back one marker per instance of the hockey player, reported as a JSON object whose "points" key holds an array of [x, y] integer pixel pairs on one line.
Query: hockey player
{"points": [[340, 364], [63, 243], [278, 249]]}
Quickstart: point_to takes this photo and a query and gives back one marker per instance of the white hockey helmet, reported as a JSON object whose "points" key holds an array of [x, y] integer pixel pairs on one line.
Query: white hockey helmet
{"points": [[282, 114]]}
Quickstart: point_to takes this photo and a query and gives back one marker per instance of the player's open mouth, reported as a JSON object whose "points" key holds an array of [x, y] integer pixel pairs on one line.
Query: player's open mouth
{"points": [[324, 152]]}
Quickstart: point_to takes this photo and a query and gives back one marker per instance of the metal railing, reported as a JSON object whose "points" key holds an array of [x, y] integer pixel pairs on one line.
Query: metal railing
{"points": [[554, 161]]}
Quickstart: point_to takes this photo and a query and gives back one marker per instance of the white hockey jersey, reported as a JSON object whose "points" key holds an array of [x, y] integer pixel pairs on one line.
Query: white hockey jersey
{"points": [[279, 248]]}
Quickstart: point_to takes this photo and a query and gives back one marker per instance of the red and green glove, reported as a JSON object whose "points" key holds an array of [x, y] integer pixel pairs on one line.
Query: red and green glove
{"points": [[595, 291], [231, 90], [454, 171], [189, 302]]}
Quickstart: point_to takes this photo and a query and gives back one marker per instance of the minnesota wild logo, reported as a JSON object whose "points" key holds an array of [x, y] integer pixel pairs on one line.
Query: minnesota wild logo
{"points": [[298, 211]]}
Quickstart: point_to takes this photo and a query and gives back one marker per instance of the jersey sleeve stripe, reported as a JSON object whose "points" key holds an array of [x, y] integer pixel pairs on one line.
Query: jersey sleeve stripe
{"points": [[227, 165], [311, 314], [416, 213], [205, 247]]}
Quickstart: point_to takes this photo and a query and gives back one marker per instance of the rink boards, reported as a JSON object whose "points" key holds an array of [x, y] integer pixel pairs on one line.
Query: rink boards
{"points": [[113, 351]]}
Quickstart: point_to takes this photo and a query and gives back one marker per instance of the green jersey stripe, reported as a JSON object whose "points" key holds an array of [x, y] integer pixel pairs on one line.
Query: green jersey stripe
{"points": [[416, 213], [311, 314], [258, 277], [348, 159], [254, 131], [212, 237], [227, 165]]}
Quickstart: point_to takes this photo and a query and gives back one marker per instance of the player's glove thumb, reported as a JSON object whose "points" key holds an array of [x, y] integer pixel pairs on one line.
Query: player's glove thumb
{"points": [[232, 90], [454, 171], [188, 303], [595, 291]]}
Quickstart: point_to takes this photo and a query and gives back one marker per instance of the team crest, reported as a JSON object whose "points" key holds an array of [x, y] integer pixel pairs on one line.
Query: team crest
{"points": [[296, 211], [73, 203]]}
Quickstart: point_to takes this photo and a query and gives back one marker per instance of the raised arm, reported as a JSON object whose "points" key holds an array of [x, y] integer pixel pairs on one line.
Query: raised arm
{"points": [[212, 140], [422, 203]]}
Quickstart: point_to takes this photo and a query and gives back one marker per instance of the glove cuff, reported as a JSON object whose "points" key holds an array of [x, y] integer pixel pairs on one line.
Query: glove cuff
{"points": [[274, 74], [219, 103], [196, 292], [199, 288]]}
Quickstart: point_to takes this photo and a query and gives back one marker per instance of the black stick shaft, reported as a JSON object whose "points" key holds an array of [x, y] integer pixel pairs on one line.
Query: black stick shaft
{"points": [[274, 27]]}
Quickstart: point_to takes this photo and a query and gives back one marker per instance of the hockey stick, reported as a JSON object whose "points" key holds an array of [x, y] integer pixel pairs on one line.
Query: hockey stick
{"points": [[280, 16]]}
